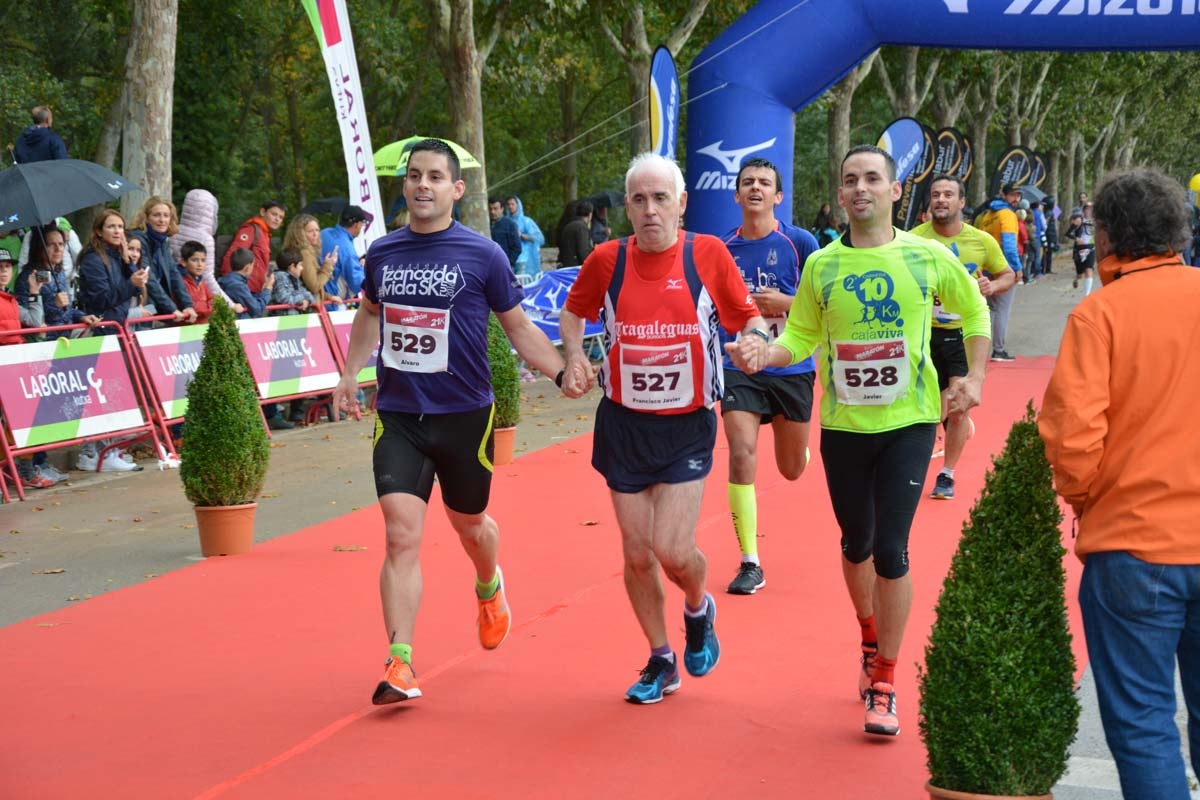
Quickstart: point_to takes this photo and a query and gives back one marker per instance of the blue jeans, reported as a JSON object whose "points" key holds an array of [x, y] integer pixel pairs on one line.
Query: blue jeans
{"points": [[1138, 618]]}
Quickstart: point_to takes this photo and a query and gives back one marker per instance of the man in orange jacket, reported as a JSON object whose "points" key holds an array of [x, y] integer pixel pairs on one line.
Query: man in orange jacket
{"points": [[1117, 423], [255, 235]]}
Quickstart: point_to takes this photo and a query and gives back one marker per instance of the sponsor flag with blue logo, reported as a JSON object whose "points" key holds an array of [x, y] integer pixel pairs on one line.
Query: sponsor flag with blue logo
{"points": [[664, 103]]}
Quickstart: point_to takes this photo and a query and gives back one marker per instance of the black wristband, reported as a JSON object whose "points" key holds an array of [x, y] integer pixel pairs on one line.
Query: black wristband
{"points": [[558, 379]]}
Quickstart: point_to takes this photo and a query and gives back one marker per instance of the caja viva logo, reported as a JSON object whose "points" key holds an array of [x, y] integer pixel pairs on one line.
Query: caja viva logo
{"points": [[1093, 8], [731, 160]]}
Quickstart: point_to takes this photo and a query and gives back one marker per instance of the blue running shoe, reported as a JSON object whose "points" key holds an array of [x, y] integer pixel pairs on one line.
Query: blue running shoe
{"points": [[703, 650], [659, 678]]}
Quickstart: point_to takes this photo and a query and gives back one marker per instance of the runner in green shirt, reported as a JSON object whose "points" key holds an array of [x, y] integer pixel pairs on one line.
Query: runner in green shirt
{"points": [[867, 301]]}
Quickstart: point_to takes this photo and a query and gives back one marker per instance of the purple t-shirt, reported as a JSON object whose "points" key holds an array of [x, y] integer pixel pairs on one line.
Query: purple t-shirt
{"points": [[435, 291]]}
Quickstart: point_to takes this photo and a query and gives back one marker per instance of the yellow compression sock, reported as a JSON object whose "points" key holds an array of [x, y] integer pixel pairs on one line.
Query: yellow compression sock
{"points": [[743, 507]]}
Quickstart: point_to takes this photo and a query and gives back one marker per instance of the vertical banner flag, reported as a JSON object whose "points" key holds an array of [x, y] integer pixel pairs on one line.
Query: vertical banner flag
{"points": [[331, 23], [967, 167], [663, 101], [1015, 165], [949, 152], [911, 145], [1039, 170]]}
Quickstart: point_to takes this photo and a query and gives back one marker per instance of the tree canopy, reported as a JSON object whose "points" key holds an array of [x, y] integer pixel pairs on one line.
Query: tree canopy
{"points": [[253, 116]]}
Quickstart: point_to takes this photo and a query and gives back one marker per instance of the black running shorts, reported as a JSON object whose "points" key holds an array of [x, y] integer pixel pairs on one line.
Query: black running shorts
{"points": [[1084, 258], [634, 450], [949, 354], [411, 449], [769, 396], [875, 482]]}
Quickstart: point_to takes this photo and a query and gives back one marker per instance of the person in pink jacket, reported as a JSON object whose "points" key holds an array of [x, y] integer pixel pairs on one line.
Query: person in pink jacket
{"points": [[1120, 434]]}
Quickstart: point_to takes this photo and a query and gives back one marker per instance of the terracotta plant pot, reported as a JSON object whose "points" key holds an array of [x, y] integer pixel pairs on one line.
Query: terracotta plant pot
{"points": [[226, 530], [502, 448], [949, 794]]}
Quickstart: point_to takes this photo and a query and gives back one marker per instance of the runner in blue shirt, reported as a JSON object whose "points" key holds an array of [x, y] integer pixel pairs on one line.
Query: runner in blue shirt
{"points": [[770, 255], [427, 293]]}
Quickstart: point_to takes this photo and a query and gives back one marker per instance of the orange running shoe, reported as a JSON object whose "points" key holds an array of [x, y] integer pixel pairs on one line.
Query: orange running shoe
{"points": [[864, 675], [495, 621], [881, 716], [399, 683]]}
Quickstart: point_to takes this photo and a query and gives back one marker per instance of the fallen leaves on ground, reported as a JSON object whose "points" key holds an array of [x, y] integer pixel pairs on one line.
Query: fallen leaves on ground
{"points": [[348, 548], [137, 519], [587, 523]]}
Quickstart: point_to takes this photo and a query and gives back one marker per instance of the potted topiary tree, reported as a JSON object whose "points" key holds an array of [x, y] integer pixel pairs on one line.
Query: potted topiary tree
{"points": [[224, 452], [997, 690], [506, 386]]}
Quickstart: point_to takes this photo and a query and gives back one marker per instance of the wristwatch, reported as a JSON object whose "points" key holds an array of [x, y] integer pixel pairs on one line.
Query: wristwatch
{"points": [[558, 379], [766, 337]]}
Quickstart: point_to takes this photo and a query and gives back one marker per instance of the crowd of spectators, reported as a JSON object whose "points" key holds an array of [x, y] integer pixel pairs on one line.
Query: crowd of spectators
{"points": [[163, 267]]}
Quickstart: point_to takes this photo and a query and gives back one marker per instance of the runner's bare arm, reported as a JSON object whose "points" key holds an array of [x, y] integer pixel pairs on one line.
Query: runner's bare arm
{"points": [[364, 338], [536, 349]]}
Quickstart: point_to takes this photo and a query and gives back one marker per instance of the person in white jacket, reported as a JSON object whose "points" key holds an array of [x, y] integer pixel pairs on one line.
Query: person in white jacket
{"points": [[198, 223]]}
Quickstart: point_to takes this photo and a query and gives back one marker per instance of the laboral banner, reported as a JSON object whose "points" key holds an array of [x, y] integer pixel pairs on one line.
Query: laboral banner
{"points": [[331, 22], [663, 101], [288, 355], [171, 356], [67, 388], [342, 321]]}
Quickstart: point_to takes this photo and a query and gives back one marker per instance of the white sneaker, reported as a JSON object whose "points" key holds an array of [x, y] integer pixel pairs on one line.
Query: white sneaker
{"points": [[113, 462], [85, 461]]}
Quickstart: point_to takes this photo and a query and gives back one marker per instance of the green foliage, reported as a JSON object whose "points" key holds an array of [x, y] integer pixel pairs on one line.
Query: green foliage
{"points": [[998, 705], [506, 380], [225, 451]]}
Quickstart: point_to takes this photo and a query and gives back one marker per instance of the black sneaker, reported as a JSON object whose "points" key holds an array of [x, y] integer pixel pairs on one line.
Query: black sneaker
{"points": [[748, 580], [943, 487], [278, 423], [1002, 355]]}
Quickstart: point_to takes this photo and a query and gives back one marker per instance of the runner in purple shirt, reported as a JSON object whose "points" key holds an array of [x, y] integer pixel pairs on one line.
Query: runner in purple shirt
{"points": [[427, 294]]}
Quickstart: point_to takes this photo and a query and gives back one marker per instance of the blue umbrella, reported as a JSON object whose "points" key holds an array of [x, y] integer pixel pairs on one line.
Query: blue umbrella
{"points": [[40, 191]]}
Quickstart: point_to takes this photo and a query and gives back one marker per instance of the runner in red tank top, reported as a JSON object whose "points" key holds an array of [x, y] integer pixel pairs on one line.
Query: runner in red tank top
{"points": [[661, 295]]}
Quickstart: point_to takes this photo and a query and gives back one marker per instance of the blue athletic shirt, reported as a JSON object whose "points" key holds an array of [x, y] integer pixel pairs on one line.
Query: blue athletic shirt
{"points": [[772, 262], [435, 291]]}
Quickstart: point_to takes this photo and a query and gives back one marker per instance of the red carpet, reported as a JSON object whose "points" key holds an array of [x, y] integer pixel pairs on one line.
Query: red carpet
{"points": [[250, 677]]}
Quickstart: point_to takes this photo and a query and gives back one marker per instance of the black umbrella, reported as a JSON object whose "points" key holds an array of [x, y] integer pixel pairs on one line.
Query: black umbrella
{"points": [[326, 205], [606, 198], [38, 192]]}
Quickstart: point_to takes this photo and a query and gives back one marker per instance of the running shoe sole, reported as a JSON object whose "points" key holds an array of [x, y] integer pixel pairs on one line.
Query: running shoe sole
{"points": [[668, 689], [386, 694], [881, 730]]}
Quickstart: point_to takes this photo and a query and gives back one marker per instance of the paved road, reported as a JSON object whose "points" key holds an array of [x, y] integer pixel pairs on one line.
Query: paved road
{"points": [[110, 531]]}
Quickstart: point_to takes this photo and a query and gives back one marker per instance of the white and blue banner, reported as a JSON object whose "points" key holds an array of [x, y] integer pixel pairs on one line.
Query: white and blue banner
{"points": [[663, 101], [331, 23]]}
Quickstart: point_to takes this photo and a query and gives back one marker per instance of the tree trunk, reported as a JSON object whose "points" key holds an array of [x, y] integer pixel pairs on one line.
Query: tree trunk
{"points": [[908, 100], [637, 77], [635, 51], [570, 129], [837, 120], [150, 81]]}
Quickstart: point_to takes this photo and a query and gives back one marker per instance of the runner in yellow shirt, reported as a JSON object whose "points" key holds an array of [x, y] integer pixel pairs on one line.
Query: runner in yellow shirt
{"points": [[984, 260]]}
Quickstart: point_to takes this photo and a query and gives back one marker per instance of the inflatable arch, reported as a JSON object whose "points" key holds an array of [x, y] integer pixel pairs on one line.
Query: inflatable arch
{"points": [[746, 86]]}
